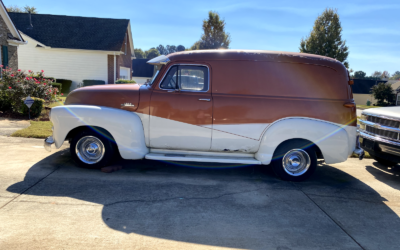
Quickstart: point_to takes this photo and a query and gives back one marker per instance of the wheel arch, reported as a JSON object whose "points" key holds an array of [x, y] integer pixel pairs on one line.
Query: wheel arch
{"points": [[123, 127], [331, 140]]}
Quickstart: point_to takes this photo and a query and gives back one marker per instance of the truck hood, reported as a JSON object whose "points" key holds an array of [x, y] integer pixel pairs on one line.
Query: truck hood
{"points": [[120, 96], [392, 112]]}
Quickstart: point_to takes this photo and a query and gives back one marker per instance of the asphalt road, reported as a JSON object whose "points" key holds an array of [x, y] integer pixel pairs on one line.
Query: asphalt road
{"points": [[46, 202]]}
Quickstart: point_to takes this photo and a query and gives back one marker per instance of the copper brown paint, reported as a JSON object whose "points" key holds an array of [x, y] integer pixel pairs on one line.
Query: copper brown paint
{"points": [[245, 87]]}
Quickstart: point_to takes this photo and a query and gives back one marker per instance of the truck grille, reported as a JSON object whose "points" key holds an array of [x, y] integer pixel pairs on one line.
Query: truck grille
{"points": [[383, 133], [384, 122]]}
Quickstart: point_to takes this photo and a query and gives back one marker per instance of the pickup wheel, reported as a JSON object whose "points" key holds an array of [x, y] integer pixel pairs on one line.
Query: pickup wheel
{"points": [[90, 149], [294, 160]]}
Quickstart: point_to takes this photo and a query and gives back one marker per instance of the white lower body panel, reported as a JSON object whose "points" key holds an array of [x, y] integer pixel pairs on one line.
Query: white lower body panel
{"points": [[176, 155]]}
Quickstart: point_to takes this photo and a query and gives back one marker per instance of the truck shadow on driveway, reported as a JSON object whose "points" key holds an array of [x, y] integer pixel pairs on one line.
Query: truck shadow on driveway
{"points": [[224, 205]]}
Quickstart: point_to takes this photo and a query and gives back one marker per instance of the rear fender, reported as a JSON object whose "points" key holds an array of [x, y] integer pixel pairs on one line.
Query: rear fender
{"points": [[124, 126], [332, 139]]}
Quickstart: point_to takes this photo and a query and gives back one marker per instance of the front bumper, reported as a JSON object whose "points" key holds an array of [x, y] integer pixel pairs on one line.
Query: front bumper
{"points": [[377, 146], [48, 142]]}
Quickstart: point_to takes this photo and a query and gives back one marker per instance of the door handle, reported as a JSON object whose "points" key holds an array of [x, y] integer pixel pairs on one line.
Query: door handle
{"points": [[206, 100]]}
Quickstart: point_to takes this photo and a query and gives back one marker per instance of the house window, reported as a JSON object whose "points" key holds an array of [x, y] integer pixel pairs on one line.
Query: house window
{"points": [[124, 73]]}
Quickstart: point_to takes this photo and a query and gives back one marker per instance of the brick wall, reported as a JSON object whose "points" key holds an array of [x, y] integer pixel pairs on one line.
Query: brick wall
{"points": [[13, 57], [110, 69], [12, 50], [125, 60]]}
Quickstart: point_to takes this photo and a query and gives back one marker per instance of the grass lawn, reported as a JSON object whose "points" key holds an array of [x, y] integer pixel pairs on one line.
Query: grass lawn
{"points": [[41, 129], [366, 107], [57, 103]]}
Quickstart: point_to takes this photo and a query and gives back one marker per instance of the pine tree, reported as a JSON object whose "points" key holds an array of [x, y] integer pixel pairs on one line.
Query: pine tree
{"points": [[326, 38], [214, 36]]}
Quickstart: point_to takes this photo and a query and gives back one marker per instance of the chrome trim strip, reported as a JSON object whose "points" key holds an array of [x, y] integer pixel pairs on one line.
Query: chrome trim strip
{"points": [[382, 116], [185, 64], [379, 139], [378, 126]]}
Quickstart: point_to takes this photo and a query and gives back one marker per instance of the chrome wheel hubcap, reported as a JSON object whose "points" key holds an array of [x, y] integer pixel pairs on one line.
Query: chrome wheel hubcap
{"points": [[296, 162], [90, 149]]}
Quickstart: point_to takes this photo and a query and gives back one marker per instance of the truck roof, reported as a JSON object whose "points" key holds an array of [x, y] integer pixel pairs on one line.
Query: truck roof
{"points": [[255, 55]]}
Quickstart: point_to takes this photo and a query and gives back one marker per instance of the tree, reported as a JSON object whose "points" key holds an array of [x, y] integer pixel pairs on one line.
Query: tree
{"points": [[152, 53], [385, 74], [395, 76], [18, 9], [359, 74], [139, 53], [161, 49], [180, 48], [169, 49], [381, 92], [214, 36], [326, 38], [376, 74]]}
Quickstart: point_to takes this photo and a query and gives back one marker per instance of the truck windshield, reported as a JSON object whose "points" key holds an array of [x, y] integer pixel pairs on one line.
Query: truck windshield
{"points": [[157, 69]]}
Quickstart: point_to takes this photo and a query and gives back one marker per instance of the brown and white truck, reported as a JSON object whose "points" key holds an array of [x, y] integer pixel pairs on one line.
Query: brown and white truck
{"points": [[226, 106]]}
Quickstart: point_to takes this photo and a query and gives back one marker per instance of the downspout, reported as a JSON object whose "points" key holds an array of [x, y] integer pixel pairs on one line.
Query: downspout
{"points": [[115, 67]]}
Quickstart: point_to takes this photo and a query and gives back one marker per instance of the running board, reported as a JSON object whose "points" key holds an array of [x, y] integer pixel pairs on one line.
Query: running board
{"points": [[201, 158]]}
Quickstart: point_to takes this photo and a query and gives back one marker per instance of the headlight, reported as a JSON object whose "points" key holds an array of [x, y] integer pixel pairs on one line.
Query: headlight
{"points": [[364, 117]]}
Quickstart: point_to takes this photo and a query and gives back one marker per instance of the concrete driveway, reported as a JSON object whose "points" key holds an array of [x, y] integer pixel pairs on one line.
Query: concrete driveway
{"points": [[46, 202]]}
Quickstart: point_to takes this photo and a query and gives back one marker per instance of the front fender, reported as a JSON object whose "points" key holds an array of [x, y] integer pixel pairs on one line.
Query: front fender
{"points": [[332, 139], [125, 127]]}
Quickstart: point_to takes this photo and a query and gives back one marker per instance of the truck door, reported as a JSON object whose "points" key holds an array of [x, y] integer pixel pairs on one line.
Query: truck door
{"points": [[181, 109]]}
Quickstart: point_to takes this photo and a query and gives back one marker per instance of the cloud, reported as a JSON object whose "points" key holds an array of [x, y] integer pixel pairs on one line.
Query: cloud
{"points": [[374, 31], [353, 9]]}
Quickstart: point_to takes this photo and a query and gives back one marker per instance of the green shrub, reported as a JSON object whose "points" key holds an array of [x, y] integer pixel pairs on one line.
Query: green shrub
{"points": [[124, 81], [36, 108], [57, 85], [66, 85], [93, 82], [16, 85], [5, 103]]}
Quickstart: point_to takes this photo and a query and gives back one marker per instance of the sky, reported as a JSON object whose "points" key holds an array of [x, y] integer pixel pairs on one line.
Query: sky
{"points": [[371, 28]]}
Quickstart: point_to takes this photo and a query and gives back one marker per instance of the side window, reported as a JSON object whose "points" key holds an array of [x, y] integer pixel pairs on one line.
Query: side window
{"points": [[171, 79], [193, 78], [186, 78]]}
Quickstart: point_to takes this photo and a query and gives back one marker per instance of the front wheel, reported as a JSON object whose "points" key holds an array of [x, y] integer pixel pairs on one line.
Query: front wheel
{"points": [[91, 149], [294, 160]]}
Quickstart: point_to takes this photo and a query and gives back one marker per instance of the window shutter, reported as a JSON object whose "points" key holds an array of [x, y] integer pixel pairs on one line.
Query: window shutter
{"points": [[5, 56]]}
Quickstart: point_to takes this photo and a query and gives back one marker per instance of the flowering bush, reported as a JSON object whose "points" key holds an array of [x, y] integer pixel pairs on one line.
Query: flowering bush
{"points": [[17, 85]]}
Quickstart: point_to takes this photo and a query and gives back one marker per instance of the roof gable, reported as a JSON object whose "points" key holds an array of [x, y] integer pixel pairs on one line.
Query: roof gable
{"points": [[10, 25], [73, 32]]}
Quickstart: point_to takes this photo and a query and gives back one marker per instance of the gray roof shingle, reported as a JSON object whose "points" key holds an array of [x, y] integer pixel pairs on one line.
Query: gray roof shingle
{"points": [[73, 32]]}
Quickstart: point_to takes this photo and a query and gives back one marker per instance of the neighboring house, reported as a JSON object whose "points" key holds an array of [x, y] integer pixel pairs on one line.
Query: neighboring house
{"points": [[76, 48], [362, 91], [10, 39], [396, 88], [141, 70]]}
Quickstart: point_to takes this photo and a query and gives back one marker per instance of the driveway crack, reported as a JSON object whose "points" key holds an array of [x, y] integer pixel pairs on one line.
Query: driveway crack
{"points": [[27, 189], [184, 198], [329, 216]]}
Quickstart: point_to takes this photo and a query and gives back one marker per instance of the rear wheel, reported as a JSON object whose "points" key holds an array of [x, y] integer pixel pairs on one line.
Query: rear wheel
{"points": [[295, 160], [91, 149]]}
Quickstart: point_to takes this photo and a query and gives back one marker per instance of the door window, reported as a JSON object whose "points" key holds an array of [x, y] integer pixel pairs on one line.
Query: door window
{"points": [[186, 78]]}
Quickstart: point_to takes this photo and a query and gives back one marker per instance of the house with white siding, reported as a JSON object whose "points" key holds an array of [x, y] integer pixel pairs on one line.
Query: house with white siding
{"points": [[75, 48]]}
